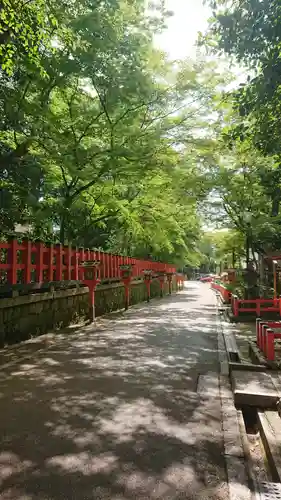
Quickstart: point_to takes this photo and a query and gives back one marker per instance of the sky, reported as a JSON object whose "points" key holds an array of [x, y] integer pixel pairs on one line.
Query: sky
{"points": [[178, 40], [190, 16]]}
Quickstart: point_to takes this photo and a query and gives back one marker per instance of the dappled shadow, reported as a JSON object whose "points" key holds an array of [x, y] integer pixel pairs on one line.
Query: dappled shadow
{"points": [[114, 413]]}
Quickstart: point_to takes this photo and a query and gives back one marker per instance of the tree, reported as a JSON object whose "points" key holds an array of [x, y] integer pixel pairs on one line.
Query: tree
{"points": [[26, 29], [249, 31], [112, 136], [221, 249]]}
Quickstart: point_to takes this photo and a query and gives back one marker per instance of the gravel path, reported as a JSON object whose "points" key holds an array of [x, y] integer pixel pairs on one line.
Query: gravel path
{"points": [[119, 411]]}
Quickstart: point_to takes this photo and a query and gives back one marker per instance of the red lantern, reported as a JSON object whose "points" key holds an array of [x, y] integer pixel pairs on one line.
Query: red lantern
{"points": [[170, 277], [147, 279], [162, 278], [90, 269], [126, 277]]}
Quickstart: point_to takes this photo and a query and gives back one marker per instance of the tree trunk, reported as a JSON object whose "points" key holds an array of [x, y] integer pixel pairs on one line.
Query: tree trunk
{"points": [[276, 195], [62, 228]]}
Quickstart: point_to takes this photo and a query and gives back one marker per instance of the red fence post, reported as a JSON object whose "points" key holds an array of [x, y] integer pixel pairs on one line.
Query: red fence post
{"points": [[39, 262], [59, 254], [102, 265], [75, 259], [51, 263], [269, 344], [68, 252], [114, 266], [118, 258], [81, 259], [109, 265], [27, 261], [13, 262], [105, 256]]}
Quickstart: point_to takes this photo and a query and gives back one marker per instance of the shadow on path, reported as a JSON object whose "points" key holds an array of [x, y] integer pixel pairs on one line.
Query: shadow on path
{"points": [[113, 413]]}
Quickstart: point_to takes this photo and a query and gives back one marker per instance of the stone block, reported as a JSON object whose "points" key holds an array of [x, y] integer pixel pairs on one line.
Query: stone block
{"points": [[254, 389], [238, 482]]}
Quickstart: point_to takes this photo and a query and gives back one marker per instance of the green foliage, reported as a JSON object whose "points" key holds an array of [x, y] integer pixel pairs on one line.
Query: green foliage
{"points": [[104, 147], [249, 178], [249, 31], [25, 31], [221, 249]]}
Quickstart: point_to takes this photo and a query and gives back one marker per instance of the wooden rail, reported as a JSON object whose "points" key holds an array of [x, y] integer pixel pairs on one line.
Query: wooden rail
{"points": [[30, 262], [255, 306], [224, 293]]}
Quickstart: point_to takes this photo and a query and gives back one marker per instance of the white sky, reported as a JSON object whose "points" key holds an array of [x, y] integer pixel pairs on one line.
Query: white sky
{"points": [[190, 16], [178, 40]]}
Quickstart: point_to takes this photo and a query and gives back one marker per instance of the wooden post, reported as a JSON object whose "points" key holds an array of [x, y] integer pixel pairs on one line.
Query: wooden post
{"points": [[59, 254], [39, 262], [264, 328], [27, 261], [109, 266], [235, 306], [258, 320], [51, 263], [269, 345], [13, 262], [75, 257], [102, 261], [68, 251]]}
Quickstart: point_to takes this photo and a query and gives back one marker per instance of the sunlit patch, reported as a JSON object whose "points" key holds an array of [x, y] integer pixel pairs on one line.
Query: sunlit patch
{"points": [[12, 464], [180, 475], [24, 367], [84, 462], [50, 362], [155, 362], [141, 485], [143, 416]]}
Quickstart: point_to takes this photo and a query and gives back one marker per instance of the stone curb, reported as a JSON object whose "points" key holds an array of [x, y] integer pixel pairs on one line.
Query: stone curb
{"points": [[236, 468]]}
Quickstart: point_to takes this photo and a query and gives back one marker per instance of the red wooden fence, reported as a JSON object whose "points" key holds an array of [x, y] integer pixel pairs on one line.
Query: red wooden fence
{"points": [[29, 262], [224, 293], [256, 306]]}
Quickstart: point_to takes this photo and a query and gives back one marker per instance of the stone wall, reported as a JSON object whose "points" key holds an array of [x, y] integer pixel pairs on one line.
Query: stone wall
{"points": [[31, 314], [34, 314], [111, 297]]}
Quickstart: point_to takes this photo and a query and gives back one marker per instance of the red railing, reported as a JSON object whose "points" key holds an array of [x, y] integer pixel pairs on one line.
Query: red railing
{"points": [[267, 332], [224, 293], [36, 262], [255, 306]]}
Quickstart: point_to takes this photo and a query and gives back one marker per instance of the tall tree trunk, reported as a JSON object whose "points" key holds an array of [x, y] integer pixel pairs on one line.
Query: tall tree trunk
{"points": [[62, 228], [276, 196]]}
